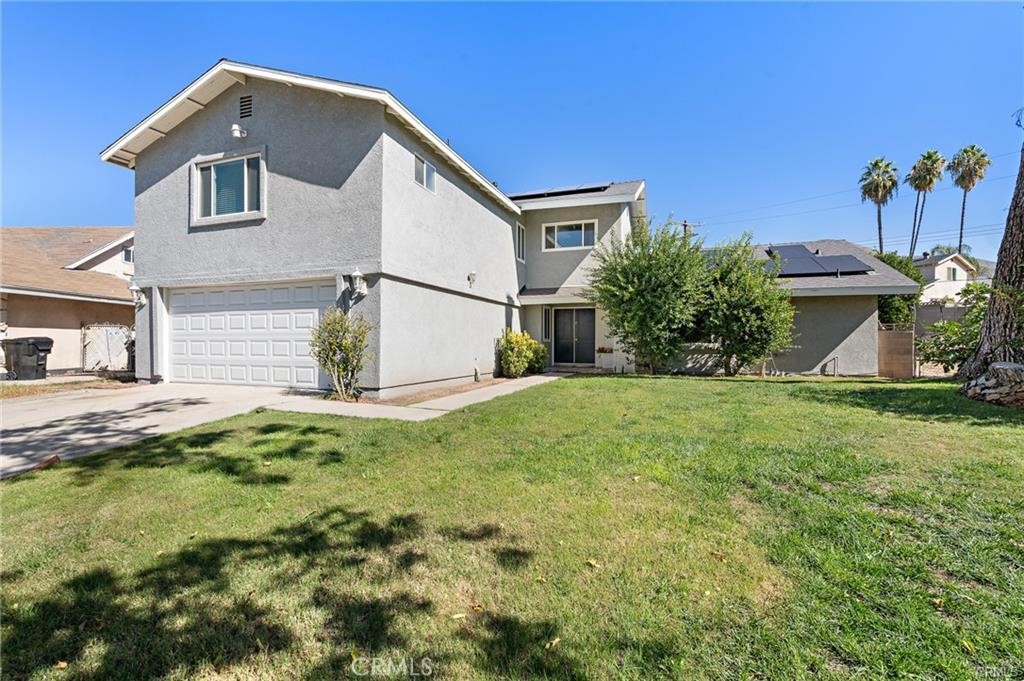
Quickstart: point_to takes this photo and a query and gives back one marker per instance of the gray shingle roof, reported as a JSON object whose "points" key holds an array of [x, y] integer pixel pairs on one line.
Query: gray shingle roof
{"points": [[626, 188], [883, 279]]}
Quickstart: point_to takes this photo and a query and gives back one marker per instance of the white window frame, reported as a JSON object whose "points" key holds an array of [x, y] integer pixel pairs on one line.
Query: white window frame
{"points": [[429, 170], [208, 161], [125, 251], [556, 225], [520, 242], [951, 273]]}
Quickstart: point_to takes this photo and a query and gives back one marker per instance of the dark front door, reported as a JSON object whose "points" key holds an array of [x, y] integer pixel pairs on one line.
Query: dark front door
{"points": [[574, 336]]}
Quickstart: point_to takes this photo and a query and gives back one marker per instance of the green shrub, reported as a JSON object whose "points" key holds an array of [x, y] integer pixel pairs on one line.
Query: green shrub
{"points": [[539, 359], [901, 309], [338, 344], [519, 353]]}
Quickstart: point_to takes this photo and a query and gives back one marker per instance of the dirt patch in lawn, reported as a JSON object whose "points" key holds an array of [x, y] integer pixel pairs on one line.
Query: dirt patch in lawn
{"points": [[435, 393]]}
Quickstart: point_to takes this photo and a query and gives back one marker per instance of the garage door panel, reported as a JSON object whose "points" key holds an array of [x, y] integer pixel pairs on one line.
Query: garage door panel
{"points": [[256, 335]]}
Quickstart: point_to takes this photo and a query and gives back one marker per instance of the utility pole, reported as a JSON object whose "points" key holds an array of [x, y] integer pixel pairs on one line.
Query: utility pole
{"points": [[688, 227]]}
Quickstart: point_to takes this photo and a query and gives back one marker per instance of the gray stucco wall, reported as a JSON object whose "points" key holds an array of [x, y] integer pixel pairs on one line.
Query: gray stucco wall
{"points": [[545, 269], [323, 157], [434, 324], [834, 326]]}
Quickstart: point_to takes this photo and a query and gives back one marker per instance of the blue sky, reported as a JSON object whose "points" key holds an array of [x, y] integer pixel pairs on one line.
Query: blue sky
{"points": [[734, 113]]}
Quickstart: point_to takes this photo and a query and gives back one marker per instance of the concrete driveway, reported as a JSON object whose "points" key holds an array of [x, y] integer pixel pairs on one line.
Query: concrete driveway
{"points": [[76, 423], [81, 422]]}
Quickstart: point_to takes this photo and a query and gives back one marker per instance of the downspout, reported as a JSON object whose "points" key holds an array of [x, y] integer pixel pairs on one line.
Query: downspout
{"points": [[152, 334]]}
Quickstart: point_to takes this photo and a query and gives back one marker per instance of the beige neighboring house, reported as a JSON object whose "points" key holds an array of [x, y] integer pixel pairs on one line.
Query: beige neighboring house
{"points": [[945, 276], [56, 280]]}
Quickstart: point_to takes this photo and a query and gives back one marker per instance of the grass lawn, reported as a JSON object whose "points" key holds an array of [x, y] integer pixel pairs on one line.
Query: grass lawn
{"points": [[594, 527]]}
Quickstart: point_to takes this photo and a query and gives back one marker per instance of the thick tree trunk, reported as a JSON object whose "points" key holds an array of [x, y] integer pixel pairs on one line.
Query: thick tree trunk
{"points": [[881, 246], [913, 226], [963, 212], [1001, 326]]}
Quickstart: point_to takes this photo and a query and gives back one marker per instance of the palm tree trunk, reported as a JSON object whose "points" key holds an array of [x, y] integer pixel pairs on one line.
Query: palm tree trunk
{"points": [[881, 248], [1002, 324], [920, 220], [913, 226], [963, 212]]}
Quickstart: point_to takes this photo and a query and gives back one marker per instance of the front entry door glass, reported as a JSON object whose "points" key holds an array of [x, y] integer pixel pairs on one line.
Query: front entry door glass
{"points": [[585, 336], [574, 336], [564, 335]]}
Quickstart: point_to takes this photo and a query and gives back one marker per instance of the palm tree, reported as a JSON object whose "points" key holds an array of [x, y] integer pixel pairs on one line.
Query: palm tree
{"points": [[879, 182], [922, 178], [967, 169]]}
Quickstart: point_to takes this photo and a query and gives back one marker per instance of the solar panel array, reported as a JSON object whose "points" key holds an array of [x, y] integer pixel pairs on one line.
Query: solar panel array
{"points": [[799, 261]]}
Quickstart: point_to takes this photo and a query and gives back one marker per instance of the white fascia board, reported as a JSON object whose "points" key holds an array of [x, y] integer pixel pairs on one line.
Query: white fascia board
{"points": [[100, 251], [383, 97], [14, 290], [572, 202], [853, 291]]}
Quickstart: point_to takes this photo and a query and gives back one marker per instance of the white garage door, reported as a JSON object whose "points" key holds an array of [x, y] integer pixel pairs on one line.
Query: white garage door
{"points": [[257, 335]]}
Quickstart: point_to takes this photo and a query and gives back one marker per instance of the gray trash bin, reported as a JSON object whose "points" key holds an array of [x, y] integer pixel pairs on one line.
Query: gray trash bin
{"points": [[26, 357]]}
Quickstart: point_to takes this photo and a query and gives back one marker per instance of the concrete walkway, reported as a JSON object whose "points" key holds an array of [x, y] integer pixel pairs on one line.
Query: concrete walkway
{"points": [[74, 424]]}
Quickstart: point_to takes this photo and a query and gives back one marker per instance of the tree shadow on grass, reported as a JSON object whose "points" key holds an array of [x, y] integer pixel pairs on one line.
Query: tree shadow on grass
{"points": [[922, 403], [193, 610]]}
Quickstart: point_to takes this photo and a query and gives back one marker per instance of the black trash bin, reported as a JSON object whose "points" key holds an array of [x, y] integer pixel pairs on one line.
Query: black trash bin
{"points": [[26, 357]]}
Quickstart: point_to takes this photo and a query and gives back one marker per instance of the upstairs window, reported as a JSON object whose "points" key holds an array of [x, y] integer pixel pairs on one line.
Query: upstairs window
{"points": [[568, 235], [229, 187], [424, 174], [128, 254], [951, 273], [520, 243]]}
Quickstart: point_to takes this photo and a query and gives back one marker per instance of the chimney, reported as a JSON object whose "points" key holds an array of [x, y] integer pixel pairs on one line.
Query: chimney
{"points": [[925, 254]]}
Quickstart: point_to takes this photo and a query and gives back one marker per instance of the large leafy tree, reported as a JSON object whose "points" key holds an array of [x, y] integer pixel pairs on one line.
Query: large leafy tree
{"points": [[922, 178], [748, 315], [900, 309], [651, 288], [967, 168], [1002, 332], [879, 182]]}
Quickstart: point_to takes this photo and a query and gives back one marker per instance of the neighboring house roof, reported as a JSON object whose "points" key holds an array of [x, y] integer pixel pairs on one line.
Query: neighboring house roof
{"points": [[881, 280], [36, 260], [940, 258], [581, 195], [226, 73]]}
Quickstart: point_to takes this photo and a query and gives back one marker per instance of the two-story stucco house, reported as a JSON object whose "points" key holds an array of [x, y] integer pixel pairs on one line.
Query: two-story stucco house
{"points": [[945, 275], [263, 196]]}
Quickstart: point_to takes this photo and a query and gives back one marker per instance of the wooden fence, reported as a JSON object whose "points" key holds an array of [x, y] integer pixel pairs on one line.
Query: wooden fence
{"points": [[896, 351]]}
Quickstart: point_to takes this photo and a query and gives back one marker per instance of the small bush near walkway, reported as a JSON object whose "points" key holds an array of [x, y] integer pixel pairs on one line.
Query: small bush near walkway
{"points": [[338, 343], [520, 353]]}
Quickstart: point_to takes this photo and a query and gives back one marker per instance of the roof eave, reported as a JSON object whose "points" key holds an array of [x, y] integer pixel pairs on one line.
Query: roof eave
{"points": [[117, 154], [101, 250]]}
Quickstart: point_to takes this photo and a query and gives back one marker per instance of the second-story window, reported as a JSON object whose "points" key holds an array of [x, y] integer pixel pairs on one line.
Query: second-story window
{"points": [[128, 254], [520, 242], [566, 235], [951, 273], [424, 174], [229, 187]]}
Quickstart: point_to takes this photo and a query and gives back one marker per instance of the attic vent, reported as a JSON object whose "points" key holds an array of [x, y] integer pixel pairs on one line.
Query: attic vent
{"points": [[245, 106]]}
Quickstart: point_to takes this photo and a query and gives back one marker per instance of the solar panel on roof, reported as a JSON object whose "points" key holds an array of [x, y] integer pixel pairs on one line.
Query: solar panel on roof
{"points": [[801, 266], [844, 264], [792, 251]]}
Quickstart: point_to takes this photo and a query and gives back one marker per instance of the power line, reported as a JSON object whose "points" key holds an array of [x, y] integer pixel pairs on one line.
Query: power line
{"points": [[987, 229], [831, 208], [822, 196]]}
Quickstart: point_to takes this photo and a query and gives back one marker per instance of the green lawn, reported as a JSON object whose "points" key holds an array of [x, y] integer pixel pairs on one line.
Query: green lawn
{"points": [[594, 527]]}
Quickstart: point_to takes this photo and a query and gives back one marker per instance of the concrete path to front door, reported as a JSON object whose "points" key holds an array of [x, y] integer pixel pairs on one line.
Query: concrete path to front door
{"points": [[73, 424]]}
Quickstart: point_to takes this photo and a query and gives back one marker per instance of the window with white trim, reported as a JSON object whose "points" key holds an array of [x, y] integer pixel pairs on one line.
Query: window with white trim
{"points": [[951, 273], [566, 235], [424, 174], [229, 187], [128, 254], [520, 243]]}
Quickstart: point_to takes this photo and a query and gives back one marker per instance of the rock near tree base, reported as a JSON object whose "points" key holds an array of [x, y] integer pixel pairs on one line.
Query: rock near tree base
{"points": [[1003, 384]]}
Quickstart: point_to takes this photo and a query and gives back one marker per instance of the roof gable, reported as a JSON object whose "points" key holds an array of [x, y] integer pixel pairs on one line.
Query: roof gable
{"points": [[225, 73]]}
